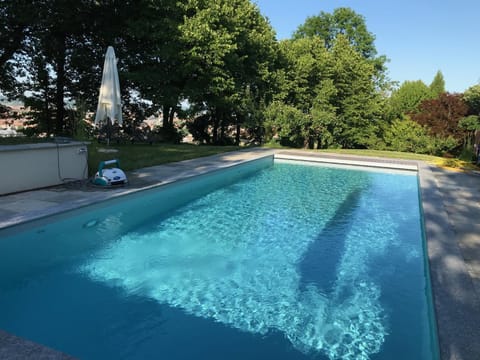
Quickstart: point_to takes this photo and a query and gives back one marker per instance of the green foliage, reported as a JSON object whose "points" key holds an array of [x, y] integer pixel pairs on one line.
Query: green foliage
{"points": [[230, 51], [467, 153], [288, 123], [357, 101], [437, 86], [323, 88], [408, 98], [343, 21], [408, 136], [57, 52], [306, 63], [325, 126], [332, 91], [472, 98], [154, 55], [350, 25], [469, 125]]}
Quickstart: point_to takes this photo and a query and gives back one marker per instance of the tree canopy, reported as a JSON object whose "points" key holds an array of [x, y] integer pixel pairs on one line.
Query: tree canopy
{"points": [[343, 21], [333, 89], [324, 87], [408, 97]]}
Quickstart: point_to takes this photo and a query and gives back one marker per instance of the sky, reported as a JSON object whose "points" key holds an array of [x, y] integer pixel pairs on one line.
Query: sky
{"points": [[419, 37]]}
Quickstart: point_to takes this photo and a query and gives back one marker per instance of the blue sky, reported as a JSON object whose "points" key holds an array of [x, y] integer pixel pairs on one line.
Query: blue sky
{"points": [[419, 37]]}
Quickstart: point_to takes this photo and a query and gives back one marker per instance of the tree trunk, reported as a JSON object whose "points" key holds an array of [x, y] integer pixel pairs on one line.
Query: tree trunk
{"points": [[311, 142], [215, 126], [165, 116], [171, 116], [222, 127], [60, 84], [48, 119], [237, 132]]}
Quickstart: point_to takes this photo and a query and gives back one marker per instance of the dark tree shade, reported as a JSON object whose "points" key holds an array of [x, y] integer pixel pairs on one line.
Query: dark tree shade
{"points": [[15, 19]]}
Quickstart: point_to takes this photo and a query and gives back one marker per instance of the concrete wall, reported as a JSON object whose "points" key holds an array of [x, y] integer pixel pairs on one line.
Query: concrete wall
{"points": [[33, 166]]}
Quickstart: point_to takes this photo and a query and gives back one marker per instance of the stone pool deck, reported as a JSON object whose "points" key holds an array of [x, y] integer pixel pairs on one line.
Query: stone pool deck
{"points": [[451, 205]]}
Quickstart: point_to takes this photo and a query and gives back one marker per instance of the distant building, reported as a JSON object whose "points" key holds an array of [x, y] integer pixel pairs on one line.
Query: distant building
{"points": [[13, 117]]}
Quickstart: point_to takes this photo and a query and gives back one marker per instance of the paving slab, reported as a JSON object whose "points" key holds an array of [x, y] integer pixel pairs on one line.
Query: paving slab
{"points": [[460, 192], [456, 301]]}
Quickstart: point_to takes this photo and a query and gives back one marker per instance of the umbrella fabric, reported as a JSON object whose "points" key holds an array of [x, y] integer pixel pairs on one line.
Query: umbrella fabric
{"points": [[109, 103]]}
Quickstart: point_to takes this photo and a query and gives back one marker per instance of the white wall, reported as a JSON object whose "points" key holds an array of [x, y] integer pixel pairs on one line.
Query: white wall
{"points": [[33, 166]]}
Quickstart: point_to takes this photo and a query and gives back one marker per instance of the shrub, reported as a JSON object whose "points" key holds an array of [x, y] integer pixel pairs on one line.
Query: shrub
{"points": [[467, 154], [441, 116], [408, 136], [166, 135], [288, 123]]}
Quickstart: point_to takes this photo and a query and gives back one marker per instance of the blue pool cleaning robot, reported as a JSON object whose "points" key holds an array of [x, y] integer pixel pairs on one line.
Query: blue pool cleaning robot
{"points": [[110, 176]]}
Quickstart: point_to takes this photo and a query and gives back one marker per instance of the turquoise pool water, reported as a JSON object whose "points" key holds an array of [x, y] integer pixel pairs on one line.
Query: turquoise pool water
{"points": [[261, 261]]}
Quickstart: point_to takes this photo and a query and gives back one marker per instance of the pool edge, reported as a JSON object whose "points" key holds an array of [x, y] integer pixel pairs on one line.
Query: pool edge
{"points": [[357, 161], [457, 311]]}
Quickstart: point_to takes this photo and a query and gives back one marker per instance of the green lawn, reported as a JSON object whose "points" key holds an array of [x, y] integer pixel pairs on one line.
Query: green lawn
{"points": [[143, 155]]}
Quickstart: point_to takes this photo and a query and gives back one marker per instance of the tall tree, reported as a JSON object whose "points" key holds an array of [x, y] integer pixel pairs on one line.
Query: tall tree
{"points": [[155, 60], [352, 26], [334, 89], [230, 48], [356, 100], [306, 64], [437, 86], [68, 39]]}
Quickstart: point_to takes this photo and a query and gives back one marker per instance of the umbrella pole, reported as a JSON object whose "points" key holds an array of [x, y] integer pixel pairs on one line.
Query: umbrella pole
{"points": [[109, 128], [109, 131]]}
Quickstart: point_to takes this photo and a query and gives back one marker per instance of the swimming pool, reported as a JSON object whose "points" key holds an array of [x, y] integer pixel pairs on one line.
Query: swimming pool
{"points": [[259, 261]]}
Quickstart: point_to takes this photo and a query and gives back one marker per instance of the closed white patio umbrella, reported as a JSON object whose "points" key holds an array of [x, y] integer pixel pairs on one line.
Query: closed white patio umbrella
{"points": [[109, 101]]}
